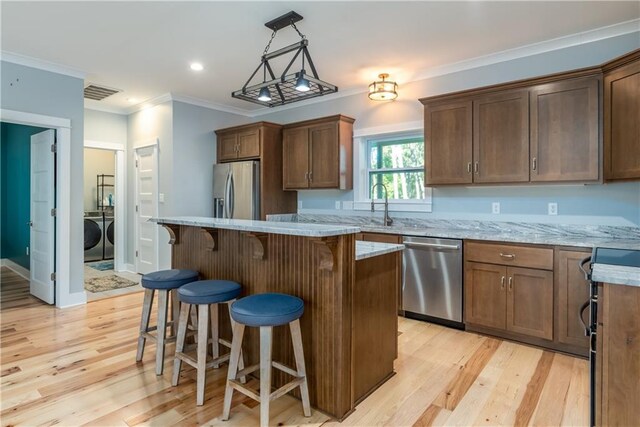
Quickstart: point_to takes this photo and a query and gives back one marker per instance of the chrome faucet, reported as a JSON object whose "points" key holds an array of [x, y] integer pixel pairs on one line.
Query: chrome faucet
{"points": [[387, 219]]}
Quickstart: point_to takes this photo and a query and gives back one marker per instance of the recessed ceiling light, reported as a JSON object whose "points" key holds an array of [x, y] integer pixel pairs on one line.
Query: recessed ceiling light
{"points": [[196, 66], [132, 100]]}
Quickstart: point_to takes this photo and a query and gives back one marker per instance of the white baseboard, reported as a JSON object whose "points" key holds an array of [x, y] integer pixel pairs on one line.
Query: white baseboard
{"points": [[16, 268], [75, 298], [129, 268]]}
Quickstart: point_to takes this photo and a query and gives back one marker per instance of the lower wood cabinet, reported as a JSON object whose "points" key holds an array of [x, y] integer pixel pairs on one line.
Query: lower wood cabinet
{"points": [[514, 299], [386, 238], [572, 291]]}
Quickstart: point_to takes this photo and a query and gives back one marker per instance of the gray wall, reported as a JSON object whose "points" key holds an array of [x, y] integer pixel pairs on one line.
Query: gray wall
{"points": [[105, 127], [614, 203], [41, 92]]}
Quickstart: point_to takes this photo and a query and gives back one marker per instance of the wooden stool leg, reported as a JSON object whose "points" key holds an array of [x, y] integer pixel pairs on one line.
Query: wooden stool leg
{"points": [[215, 333], [182, 332], [296, 337], [175, 311], [266, 334], [144, 321], [236, 346], [243, 379], [203, 320], [161, 331], [194, 322]]}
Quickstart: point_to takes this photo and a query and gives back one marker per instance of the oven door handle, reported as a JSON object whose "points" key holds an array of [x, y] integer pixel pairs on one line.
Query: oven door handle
{"points": [[583, 307], [584, 269]]}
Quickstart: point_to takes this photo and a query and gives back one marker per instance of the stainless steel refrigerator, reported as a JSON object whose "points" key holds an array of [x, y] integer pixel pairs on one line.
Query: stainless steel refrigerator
{"points": [[236, 190]]}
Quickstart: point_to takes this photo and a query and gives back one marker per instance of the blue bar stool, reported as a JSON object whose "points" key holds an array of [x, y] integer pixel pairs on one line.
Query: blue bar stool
{"points": [[164, 282], [206, 295], [265, 311]]}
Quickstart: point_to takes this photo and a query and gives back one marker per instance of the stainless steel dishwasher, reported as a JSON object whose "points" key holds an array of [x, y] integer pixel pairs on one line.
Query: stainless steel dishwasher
{"points": [[432, 280]]}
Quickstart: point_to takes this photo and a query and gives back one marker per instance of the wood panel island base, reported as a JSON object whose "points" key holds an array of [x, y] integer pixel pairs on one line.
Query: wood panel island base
{"points": [[349, 327]]}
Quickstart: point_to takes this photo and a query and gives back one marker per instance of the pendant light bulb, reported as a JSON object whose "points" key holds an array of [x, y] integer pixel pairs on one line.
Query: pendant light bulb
{"points": [[265, 95], [302, 84]]}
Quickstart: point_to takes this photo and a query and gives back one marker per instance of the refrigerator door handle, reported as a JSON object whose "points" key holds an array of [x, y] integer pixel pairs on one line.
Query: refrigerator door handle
{"points": [[226, 196], [232, 195]]}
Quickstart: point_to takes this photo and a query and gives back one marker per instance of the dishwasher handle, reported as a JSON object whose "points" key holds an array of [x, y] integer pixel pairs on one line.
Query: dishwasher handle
{"points": [[416, 245]]}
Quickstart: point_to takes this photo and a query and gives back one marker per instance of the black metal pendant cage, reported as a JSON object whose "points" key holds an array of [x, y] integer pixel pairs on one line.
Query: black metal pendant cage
{"points": [[286, 88]]}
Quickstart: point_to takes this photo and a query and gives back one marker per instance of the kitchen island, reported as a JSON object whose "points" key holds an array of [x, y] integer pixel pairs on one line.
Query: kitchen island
{"points": [[349, 327]]}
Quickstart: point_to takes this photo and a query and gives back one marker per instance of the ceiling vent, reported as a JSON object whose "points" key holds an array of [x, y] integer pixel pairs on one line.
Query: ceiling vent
{"points": [[98, 93]]}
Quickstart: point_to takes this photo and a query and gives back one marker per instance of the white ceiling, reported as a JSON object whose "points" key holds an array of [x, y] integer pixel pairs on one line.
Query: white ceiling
{"points": [[144, 48]]}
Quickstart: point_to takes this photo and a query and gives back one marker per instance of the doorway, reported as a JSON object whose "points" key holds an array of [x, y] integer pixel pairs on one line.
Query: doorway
{"points": [[28, 212], [146, 197], [104, 202]]}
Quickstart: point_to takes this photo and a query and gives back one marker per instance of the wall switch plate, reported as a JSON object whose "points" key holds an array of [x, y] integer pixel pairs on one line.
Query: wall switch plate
{"points": [[552, 209], [299, 204], [495, 207], [338, 206], [161, 197]]}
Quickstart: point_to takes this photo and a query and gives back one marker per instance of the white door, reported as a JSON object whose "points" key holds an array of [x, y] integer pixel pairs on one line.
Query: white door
{"points": [[146, 207], [42, 240]]}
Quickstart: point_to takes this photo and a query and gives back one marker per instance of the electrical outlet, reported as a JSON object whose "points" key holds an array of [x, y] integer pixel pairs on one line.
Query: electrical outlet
{"points": [[552, 209], [161, 197], [338, 206], [495, 207], [299, 204]]}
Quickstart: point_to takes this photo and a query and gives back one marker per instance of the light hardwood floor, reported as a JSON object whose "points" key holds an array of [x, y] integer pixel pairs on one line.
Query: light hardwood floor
{"points": [[77, 367]]}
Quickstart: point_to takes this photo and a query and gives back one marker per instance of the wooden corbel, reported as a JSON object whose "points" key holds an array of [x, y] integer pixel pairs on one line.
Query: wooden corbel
{"points": [[174, 233], [211, 236], [259, 244], [327, 248]]}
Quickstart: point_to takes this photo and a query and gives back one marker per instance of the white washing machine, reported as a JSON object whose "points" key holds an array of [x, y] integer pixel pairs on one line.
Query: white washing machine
{"points": [[93, 236], [109, 235]]}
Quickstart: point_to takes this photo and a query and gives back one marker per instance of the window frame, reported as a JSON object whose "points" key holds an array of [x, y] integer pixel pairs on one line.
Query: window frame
{"points": [[362, 140]]}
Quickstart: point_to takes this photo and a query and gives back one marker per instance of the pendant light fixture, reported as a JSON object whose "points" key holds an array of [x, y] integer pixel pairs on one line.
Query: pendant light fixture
{"points": [[286, 88], [383, 90]]}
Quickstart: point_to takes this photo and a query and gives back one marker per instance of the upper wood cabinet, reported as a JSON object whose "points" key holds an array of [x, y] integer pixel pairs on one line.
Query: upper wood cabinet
{"points": [[622, 118], [318, 154], [565, 140], [448, 134], [240, 143], [501, 137], [538, 130]]}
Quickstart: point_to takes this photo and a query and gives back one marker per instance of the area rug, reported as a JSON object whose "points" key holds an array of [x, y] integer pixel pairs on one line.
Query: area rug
{"points": [[101, 265], [107, 283]]}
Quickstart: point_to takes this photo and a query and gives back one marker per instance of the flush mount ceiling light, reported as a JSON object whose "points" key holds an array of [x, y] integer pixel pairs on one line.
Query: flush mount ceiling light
{"points": [[383, 90], [196, 66], [286, 88]]}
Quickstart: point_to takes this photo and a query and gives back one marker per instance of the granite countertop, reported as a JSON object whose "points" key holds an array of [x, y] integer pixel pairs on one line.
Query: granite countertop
{"points": [[290, 228], [615, 274], [371, 249], [573, 235]]}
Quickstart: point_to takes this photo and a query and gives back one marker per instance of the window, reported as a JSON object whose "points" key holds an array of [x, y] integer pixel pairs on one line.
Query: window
{"points": [[398, 163]]}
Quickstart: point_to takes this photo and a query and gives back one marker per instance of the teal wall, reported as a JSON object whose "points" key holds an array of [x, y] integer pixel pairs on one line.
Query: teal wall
{"points": [[15, 148]]}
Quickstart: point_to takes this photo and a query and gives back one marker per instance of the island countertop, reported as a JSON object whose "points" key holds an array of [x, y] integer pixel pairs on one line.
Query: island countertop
{"points": [[371, 249], [288, 228]]}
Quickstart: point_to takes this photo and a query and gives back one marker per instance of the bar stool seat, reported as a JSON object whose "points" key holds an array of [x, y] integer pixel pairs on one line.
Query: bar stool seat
{"points": [[165, 283], [266, 311], [205, 295]]}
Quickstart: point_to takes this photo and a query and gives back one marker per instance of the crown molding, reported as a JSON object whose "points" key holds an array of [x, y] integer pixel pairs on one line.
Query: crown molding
{"points": [[161, 99], [104, 108], [212, 105], [41, 64]]}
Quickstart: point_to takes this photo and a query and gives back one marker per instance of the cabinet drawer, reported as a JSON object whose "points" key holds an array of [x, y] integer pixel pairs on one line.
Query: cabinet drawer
{"points": [[518, 256]]}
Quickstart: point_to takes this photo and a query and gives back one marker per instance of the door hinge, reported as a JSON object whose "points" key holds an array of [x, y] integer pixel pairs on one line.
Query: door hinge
{"points": [[53, 277], [54, 148], [136, 208], [136, 163], [136, 254], [54, 212]]}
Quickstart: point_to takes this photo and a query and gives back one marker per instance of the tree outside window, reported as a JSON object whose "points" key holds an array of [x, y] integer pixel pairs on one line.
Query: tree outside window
{"points": [[399, 165]]}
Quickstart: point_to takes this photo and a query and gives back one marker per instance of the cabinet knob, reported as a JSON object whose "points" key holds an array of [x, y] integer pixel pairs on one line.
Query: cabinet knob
{"points": [[507, 256], [311, 176], [469, 167], [476, 167], [534, 163], [502, 283], [511, 283]]}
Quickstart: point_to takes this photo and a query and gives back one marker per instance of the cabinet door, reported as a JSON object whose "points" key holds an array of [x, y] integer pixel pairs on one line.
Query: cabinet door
{"points": [[530, 302], [448, 141], [249, 144], [295, 157], [572, 291], [485, 298], [501, 137], [227, 147], [564, 131], [324, 156], [622, 123]]}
